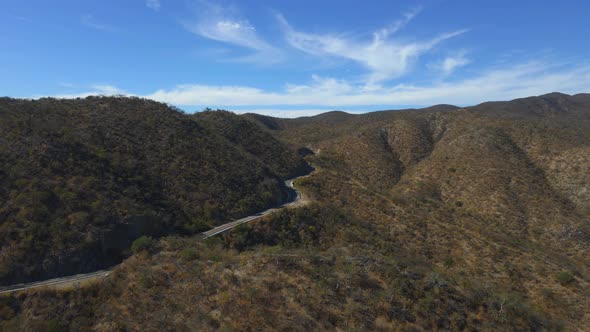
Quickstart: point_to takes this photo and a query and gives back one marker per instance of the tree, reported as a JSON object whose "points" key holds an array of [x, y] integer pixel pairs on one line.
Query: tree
{"points": [[144, 243]]}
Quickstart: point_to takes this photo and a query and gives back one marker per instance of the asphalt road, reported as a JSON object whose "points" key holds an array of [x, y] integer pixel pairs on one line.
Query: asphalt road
{"points": [[230, 225], [69, 280], [78, 278]]}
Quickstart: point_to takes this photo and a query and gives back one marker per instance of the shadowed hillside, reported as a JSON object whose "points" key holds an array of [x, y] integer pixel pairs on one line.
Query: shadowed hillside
{"points": [[81, 179], [259, 143]]}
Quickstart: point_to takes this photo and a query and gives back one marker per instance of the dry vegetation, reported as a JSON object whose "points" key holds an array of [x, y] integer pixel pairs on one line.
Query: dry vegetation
{"points": [[439, 219], [81, 179]]}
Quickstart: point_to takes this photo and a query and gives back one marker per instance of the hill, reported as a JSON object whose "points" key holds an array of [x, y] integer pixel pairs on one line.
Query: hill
{"points": [[81, 179], [261, 144], [443, 218], [498, 191]]}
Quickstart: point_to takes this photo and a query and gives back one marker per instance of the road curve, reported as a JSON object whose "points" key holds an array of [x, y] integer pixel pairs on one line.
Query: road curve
{"points": [[225, 227], [78, 278]]}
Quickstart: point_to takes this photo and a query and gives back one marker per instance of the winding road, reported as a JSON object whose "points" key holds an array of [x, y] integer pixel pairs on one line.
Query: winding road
{"points": [[225, 227], [77, 279]]}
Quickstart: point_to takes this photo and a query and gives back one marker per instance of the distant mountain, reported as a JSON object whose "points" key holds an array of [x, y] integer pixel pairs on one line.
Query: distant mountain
{"points": [[81, 179]]}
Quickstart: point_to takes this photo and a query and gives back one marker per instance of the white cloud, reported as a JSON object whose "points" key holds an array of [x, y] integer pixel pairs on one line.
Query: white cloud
{"points": [[385, 58], [449, 64], [240, 33], [216, 95], [153, 4], [323, 94], [226, 25], [452, 63], [496, 84], [89, 21], [397, 25]]}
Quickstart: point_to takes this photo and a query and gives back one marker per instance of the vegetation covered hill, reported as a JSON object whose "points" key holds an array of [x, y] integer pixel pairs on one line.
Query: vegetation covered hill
{"points": [[312, 269], [445, 218], [496, 194], [80, 179], [259, 143]]}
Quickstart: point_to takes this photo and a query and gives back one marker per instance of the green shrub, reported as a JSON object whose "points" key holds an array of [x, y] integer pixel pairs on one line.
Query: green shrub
{"points": [[189, 254], [565, 278], [547, 293], [144, 243], [197, 226], [48, 325], [449, 262]]}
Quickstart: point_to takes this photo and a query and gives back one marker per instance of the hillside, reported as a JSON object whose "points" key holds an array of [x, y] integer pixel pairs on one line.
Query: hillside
{"points": [[81, 179], [261, 144], [496, 194], [443, 218]]}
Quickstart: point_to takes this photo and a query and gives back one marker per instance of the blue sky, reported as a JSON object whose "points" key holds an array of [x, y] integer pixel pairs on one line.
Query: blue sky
{"points": [[293, 58]]}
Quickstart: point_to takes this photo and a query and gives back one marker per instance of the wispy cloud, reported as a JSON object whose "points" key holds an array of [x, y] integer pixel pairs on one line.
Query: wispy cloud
{"points": [[397, 25], [240, 33], [383, 54], [384, 57], [153, 4], [515, 81], [451, 63], [322, 94], [90, 22], [226, 25]]}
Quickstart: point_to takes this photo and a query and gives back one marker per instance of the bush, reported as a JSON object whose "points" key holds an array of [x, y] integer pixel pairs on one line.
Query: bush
{"points": [[144, 243], [4, 270], [48, 325], [565, 278], [197, 226], [449, 262], [189, 254]]}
